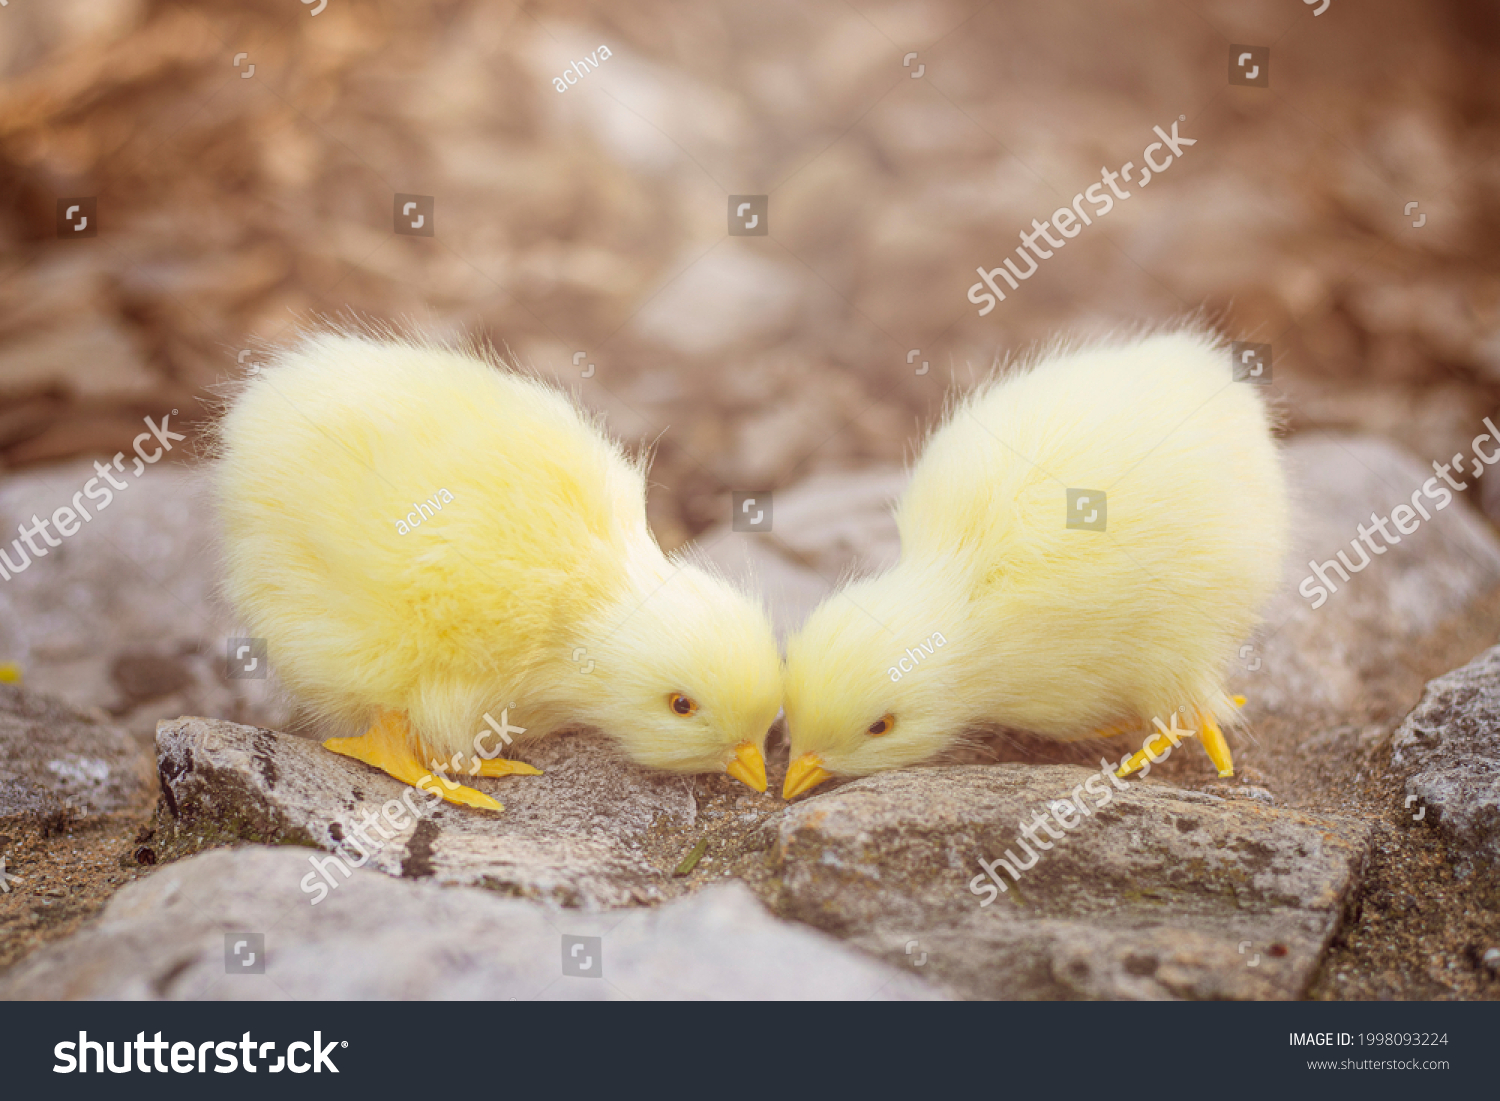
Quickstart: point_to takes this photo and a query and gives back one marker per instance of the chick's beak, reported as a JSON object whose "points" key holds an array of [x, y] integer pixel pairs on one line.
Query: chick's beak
{"points": [[748, 766], [804, 774]]}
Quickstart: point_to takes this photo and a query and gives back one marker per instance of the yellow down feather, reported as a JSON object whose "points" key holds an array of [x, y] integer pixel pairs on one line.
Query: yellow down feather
{"points": [[529, 580], [1016, 619]]}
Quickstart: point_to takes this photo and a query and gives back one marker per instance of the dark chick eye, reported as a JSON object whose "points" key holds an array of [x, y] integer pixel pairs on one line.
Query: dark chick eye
{"points": [[883, 725], [682, 704]]}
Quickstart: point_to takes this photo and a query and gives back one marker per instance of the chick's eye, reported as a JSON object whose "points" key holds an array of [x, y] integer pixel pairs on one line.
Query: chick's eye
{"points": [[682, 704], [883, 725]]}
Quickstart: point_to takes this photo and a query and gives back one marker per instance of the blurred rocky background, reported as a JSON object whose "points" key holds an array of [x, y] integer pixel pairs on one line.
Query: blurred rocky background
{"points": [[235, 206], [239, 163]]}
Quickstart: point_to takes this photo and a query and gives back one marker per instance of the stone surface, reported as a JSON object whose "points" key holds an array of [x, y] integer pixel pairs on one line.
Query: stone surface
{"points": [[167, 937], [1164, 893], [57, 761], [576, 835], [122, 615], [1449, 749]]}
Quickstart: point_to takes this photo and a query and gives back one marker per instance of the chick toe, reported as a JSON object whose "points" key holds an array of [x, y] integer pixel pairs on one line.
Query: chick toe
{"points": [[1217, 747], [1151, 751], [464, 796], [500, 766]]}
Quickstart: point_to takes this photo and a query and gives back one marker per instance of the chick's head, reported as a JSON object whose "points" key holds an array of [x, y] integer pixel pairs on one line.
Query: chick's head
{"points": [[871, 683], [687, 676]]}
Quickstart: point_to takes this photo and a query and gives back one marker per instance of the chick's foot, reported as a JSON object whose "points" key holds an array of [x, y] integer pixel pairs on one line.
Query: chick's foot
{"points": [[389, 746], [1162, 742]]}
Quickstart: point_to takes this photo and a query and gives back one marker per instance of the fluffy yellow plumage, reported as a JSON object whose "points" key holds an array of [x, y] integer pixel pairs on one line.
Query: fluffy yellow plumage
{"points": [[999, 613], [424, 538]]}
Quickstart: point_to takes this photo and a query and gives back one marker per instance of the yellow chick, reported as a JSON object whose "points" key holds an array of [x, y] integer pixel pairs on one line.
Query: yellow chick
{"points": [[426, 540], [1084, 544]]}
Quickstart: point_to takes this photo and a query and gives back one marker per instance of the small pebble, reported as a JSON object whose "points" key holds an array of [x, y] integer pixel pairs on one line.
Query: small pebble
{"points": [[1491, 960]]}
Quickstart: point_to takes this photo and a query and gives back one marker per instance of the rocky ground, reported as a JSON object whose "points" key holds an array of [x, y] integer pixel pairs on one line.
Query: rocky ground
{"points": [[1352, 856]]}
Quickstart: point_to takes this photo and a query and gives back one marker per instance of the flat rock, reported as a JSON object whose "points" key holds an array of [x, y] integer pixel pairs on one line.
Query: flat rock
{"points": [[1449, 746], [575, 835], [122, 614], [1163, 893], [172, 935], [56, 760]]}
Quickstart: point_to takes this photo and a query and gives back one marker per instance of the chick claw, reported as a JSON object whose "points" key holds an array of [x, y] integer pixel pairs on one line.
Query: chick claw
{"points": [[387, 745]]}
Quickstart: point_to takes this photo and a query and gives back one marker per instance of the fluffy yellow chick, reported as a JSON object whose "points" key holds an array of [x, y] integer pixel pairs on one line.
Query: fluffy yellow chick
{"points": [[1000, 612], [424, 539]]}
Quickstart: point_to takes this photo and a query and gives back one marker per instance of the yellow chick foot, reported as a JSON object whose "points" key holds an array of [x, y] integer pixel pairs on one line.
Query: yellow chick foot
{"points": [[1159, 743], [10, 673], [387, 745]]}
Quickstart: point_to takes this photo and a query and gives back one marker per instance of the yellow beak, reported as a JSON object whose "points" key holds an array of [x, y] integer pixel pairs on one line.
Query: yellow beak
{"points": [[748, 766], [804, 774]]}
